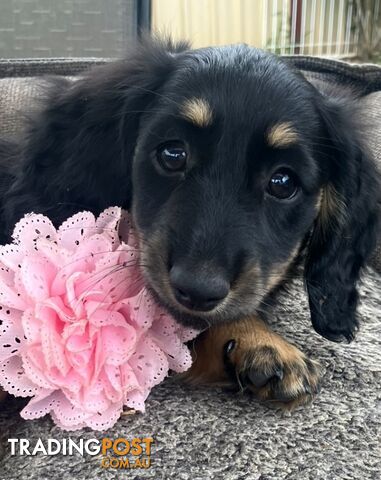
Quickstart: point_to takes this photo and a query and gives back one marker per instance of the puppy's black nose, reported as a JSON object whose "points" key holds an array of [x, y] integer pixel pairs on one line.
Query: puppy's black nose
{"points": [[198, 290]]}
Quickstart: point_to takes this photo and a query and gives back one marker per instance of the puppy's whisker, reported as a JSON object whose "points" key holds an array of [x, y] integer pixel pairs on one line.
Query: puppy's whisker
{"points": [[99, 272], [147, 90], [111, 289], [115, 270], [94, 254]]}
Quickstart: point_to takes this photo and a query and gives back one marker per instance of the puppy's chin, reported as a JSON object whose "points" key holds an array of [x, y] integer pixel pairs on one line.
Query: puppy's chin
{"points": [[189, 320], [203, 321]]}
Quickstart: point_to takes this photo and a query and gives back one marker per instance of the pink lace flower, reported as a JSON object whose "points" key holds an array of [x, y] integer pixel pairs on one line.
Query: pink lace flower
{"points": [[79, 332]]}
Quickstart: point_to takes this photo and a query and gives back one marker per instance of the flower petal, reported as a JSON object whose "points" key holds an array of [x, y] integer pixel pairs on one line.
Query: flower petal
{"points": [[37, 274], [14, 380], [102, 318], [66, 415], [12, 339], [163, 333], [135, 399], [112, 383], [32, 227], [34, 367], [74, 230], [118, 343], [11, 256], [149, 363], [141, 309], [108, 223], [40, 405]]}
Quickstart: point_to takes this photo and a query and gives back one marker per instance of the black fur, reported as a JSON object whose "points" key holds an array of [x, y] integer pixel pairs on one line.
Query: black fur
{"points": [[336, 255], [76, 151], [94, 143]]}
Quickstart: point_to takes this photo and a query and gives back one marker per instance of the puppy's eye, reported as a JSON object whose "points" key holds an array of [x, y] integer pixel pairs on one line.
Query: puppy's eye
{"points": [[172, 157], [283, 184]]}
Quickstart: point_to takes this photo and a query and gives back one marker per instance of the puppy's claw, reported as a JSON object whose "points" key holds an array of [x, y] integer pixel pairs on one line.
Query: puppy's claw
{"points": [[229, 346], [279, 373], [308, 388]]}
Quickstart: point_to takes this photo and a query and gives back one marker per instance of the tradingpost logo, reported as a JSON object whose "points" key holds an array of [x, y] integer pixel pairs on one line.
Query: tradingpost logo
{"points": [[119, 453]]}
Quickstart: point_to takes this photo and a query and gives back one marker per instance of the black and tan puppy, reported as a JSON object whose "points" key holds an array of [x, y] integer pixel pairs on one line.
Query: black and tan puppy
{"points": [[235, 168]]}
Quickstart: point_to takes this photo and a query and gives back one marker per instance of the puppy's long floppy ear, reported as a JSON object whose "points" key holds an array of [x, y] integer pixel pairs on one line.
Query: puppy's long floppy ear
{"points": [[346, 227], [80, 147]]}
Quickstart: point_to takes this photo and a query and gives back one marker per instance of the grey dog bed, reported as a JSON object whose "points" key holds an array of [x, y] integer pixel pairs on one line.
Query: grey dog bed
{"points": [[202, 433]]}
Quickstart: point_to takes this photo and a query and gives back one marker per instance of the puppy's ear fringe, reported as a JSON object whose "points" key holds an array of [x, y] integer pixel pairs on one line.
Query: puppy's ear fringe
{"points": [[332, 212], [346, 227], [82, 125]]}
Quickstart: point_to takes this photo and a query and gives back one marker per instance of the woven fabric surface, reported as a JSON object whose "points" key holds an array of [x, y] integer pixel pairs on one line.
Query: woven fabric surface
{"points": [[365, 77], [16, 103], [42, 66]]}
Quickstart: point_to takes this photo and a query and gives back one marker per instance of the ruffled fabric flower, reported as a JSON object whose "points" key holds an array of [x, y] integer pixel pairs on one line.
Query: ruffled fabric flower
{"points": [[79, 332]]}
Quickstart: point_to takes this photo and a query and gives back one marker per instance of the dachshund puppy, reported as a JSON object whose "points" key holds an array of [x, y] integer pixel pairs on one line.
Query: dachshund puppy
{"points": [[235, 169]]}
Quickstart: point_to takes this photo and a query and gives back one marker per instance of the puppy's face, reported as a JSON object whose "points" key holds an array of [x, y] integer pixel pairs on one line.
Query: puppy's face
{"points": [[232, 164], [227, 182]]}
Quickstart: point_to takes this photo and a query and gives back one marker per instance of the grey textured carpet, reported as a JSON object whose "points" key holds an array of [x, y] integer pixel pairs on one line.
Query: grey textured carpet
{"points": [[209, 434]]}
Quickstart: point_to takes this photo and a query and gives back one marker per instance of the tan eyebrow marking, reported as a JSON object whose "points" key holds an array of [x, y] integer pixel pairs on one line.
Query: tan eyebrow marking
{"points": [[282, 135], [198, 111]]}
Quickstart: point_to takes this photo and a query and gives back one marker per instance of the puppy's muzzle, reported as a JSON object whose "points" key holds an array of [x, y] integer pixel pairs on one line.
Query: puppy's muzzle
{"points": [[198, 289]]}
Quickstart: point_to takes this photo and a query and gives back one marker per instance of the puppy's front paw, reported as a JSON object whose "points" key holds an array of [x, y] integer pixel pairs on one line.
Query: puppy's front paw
{"points": [[252, 356], [274, 370]]}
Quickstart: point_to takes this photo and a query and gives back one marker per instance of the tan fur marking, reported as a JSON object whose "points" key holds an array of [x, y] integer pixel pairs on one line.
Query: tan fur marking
{"points": [[257, 347], [207, 367], [249, 333], [198, 111], [282, 135], [277, 273], [319, 200], [331, 207], [331, 203]]}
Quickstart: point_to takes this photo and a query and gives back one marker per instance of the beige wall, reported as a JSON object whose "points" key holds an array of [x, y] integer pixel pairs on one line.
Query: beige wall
{"points": [[256, 22], [210, 22]]}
